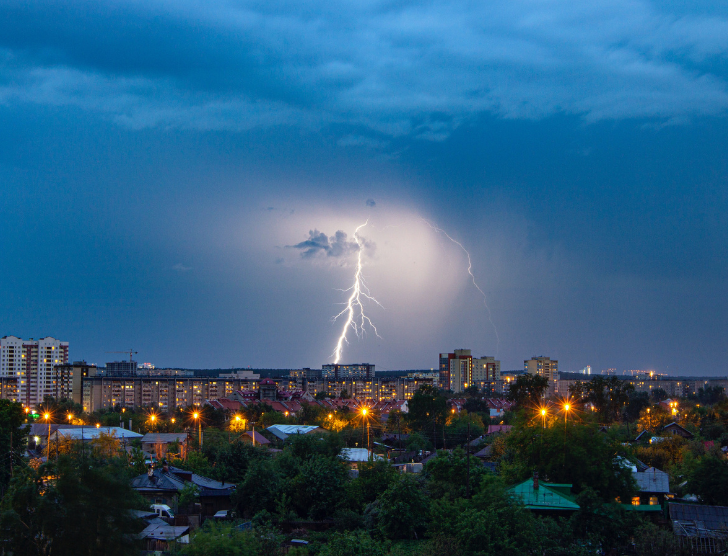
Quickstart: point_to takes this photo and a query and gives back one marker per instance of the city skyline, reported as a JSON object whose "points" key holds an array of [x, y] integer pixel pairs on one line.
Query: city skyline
{"points": [[187, 180]]}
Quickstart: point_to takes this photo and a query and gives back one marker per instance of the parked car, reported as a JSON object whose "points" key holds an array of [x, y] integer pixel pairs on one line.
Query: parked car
{"points": [[222, 515], [162, 510]]}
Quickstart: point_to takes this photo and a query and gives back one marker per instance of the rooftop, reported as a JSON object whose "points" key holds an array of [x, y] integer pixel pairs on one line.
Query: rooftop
{"points": [[545, 497]]}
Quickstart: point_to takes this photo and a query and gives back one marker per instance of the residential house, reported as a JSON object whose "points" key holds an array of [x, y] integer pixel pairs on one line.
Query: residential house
{"points": [[654, 487], [701, 528], [254, 438], [675, 429], [159, 443], [547, 498], [163, 485], [284, 431]]}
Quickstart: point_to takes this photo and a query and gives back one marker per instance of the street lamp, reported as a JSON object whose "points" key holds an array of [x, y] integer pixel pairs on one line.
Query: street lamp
{"points": [[196, 417], [47, 417], [543, 416], [364, 413], [567, 407]]}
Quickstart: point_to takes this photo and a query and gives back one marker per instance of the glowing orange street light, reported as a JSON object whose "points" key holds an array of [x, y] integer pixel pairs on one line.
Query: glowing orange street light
{"points": [[196, 417], [98, 425], [364, 412], [47, 417], [543, 416], [567, 407], [69, 417]]}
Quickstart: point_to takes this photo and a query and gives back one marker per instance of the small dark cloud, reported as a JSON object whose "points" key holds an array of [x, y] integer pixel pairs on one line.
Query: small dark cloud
{"points": [[371, 202], [179, 267], [337, 245]]}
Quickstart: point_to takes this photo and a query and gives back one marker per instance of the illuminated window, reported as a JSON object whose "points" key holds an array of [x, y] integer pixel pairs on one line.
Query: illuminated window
{"points": [[654, 501], [635, 500]]}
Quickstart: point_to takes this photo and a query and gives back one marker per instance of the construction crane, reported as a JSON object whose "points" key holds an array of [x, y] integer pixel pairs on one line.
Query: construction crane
{"points": [[131, 353]]}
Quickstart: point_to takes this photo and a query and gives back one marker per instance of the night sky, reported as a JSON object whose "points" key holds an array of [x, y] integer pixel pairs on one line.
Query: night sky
{"points": [[174, 177]]}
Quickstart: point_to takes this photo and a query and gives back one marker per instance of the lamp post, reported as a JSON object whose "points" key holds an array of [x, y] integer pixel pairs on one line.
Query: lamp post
{"points": [[364, 413], [47, 417], [196, 417], [543, 418]]}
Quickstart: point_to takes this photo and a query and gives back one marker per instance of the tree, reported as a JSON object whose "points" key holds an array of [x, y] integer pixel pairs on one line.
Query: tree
{"points": [[258, 490], [85, 510], [357, 543], [575, 453], [427, 409], [224, 539], [709, 480], [609, 395], [403, 510], [528, 389], [637, 402], [13, 439], [316, 490], [374, 478], [447, 474]]}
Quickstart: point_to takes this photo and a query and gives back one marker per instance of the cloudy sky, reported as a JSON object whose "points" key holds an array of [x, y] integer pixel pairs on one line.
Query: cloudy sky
{"points": [[185, 179]]}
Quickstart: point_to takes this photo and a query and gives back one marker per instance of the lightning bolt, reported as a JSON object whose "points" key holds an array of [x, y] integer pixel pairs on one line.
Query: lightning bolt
{"points": [[472, 276], [354, 304]]}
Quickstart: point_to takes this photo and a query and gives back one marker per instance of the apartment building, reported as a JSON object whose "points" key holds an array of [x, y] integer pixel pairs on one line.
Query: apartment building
{"points": [[546, 367], [460, 370], [32, 362]]}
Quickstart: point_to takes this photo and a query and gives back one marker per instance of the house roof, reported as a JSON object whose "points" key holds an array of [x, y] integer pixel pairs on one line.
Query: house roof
{"points": [[696, 517], [41, 429], [652, 480], [163, 532], [682, 431], [358, 454], [199, 480], [164, 437], [90, 433], [259, 438], [546, 497], [499, 428], [174, 480], [225, 404], [157, 481], [643, 433], [485, 452], [284, 431]]}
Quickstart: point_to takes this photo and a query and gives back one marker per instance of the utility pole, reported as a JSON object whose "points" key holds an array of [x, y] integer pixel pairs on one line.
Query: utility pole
{"points": [[467, 455]]}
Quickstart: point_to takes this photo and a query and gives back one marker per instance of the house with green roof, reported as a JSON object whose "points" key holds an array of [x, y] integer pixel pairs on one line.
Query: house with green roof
{"points": [[544, 497]]}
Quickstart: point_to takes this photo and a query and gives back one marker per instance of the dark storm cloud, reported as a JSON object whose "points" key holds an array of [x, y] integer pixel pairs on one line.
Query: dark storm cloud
{"points": [[319, 243], [400, 68]]}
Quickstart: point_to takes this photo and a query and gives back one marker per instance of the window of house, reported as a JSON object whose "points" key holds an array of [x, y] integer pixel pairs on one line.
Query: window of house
{"points": [[635, 500]]}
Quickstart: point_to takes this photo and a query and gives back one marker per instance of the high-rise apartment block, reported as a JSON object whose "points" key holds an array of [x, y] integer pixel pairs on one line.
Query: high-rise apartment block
{"points": [[345, 372], [460, 369], [32, 363], [546, 367]]}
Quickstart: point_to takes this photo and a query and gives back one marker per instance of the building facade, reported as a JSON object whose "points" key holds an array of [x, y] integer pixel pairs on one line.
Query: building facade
{"points": [[32, 363], [460, 370], [348, 372], [545, 367]]}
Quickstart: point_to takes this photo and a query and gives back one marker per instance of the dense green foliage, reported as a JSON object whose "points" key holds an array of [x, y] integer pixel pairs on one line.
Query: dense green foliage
{"points": [[71, 507]]}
